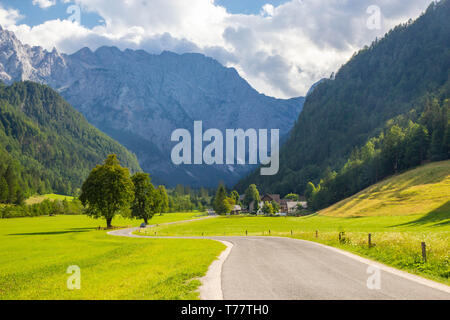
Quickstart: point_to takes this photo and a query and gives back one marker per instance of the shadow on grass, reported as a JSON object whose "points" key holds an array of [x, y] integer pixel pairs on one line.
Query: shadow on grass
{"points": [[72, 230], [439, 217]]}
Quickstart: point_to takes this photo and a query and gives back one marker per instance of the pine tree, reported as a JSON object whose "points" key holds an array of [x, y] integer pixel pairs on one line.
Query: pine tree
{"points": [[219, 205]]}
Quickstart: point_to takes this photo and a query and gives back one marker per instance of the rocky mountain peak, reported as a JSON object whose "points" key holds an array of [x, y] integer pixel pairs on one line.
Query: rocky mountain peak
{"points": [[139, 98]]}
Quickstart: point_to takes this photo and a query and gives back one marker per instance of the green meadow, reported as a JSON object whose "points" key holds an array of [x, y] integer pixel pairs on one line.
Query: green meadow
{"points": [[51, 197], [36, 252]]}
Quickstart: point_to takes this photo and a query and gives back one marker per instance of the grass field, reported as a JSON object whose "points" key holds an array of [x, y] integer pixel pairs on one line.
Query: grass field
{"points": [[399, 212], [52, 197], [36, 252], [424, 190]]}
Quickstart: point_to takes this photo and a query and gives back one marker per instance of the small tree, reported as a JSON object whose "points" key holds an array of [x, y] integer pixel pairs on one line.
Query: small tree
{"points": [[235, 196], [267, 208], [275, 207], [107, 190], [228, 205], [292, 196], [66, 207], [163, 200], [219, 205], [252, 197], [143, 206]]}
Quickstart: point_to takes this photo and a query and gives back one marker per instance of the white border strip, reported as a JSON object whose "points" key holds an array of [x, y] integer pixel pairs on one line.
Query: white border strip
{"points": [[211, 288]]}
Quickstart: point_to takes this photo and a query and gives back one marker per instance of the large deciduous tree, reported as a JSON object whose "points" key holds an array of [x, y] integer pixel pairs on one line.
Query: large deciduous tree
{"points": [[108, 190], [143, 205]]}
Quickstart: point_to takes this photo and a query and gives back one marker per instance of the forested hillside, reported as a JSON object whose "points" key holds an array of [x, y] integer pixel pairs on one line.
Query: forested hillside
{"points": [[398, 79], [404, 144], [47, 146]]}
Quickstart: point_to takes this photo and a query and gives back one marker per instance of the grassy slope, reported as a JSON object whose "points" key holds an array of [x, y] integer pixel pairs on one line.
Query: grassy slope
{"points": [[399, 212], [35, 254], [424, 190], [51, 197]]}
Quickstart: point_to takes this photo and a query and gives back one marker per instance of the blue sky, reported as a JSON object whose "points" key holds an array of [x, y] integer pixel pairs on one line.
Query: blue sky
{"points": [[281, 50], [34, 15], [247, 6]]}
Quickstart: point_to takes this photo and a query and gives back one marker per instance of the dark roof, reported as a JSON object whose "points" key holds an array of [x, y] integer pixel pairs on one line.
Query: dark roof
{"points": [[272, 197]]}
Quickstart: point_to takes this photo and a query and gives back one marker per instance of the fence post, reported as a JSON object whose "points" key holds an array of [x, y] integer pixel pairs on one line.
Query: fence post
{"points": [[370, 240], [246, 233], [317, 234], [291, 233], [269, 232], [424, 252]]}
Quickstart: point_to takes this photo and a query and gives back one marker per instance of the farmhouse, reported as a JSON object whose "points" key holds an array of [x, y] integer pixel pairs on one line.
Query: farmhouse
{"points": [[287, 206], [236, 210], [271, 197]]}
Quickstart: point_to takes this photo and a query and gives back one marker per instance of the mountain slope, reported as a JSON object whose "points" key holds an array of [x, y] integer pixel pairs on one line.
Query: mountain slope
{"points": [[50, 146], [140, 98], [423, 190], [392, 77]]}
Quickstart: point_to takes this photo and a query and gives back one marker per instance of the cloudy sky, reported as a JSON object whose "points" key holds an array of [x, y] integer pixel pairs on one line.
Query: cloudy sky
{"points": [[280, 47]]}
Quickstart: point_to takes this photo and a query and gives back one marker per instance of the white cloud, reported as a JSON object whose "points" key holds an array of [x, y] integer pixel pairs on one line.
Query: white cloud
{"points": [[44, 3], [281, 51], [9, 17], [267, 10]]}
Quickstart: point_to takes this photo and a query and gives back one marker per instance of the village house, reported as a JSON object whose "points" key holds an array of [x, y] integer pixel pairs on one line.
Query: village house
{"points": [[236, 210], [287, 206]]}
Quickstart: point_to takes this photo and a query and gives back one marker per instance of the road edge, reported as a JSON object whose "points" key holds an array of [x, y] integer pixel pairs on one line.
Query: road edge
{"points": [[211, 288]]}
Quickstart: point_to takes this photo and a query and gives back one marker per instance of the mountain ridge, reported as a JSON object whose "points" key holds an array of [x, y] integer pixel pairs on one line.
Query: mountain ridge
{"points": [[139, 99], [390, 81]]}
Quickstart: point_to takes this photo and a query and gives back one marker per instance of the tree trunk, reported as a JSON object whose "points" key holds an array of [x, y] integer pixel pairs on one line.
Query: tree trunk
{"points": [[108, 223], [146, 220]]}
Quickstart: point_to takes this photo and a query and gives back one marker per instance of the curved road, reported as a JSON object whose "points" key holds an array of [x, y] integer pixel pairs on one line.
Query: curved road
{"points": [[273, 268]]}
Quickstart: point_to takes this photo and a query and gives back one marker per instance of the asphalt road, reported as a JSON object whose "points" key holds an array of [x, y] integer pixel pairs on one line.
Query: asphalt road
{"points": [[269, 268], [272, 268]]}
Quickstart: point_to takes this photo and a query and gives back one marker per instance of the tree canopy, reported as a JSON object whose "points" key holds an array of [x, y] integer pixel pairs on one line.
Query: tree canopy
{"points": [[144, 204], [108, 190]]}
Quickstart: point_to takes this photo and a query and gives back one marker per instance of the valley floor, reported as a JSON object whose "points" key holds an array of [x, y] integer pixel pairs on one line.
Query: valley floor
{"points": [[35, 254]]}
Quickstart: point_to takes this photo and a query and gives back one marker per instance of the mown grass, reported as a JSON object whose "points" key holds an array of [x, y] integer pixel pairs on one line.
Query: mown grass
{"points": [[419, 191], [36, 252], [39, 198], [397, 239]]}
